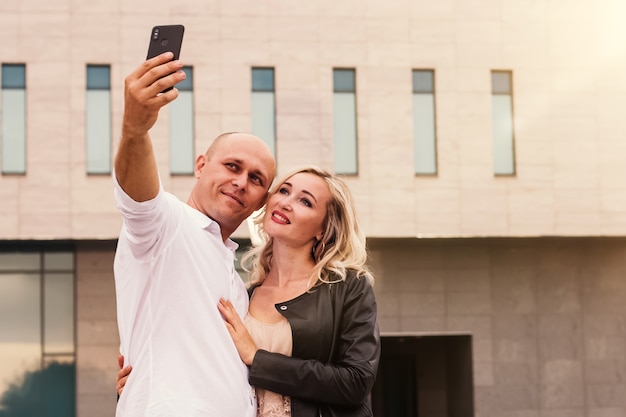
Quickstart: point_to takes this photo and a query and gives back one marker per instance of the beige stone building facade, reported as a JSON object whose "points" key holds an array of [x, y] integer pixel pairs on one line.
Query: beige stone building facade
{"points": [[501, 294]]}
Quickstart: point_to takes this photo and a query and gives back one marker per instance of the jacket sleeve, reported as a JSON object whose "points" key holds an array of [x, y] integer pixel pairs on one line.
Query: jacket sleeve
{"points": [[349, 377]]}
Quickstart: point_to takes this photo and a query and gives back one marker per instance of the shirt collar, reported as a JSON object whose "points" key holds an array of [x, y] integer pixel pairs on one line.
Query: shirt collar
{"points": [[205, 222]]}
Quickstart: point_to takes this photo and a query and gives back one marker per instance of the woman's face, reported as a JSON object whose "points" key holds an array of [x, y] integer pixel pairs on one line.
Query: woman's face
{"points": [[296, 212]]}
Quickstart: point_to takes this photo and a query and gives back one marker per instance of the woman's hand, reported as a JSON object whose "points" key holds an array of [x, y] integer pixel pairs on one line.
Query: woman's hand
{"points": [[238, 332], [122, 375]]}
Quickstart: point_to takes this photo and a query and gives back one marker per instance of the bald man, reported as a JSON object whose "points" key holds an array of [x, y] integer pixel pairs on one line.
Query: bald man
{"points": [[175, 260]]}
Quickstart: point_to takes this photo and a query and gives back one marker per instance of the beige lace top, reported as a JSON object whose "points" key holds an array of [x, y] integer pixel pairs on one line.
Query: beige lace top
{"points": [[273, 337]]}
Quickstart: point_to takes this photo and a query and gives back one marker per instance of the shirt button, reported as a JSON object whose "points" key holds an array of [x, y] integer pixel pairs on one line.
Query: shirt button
{"points": [[283, 308]]}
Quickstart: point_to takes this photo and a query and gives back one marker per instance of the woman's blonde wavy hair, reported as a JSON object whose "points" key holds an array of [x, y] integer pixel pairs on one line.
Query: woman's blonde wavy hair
{"points": [[342, 247]]}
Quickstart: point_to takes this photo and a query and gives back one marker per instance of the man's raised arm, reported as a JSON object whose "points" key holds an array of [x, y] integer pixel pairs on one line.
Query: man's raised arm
{"points": [[135, 164]]}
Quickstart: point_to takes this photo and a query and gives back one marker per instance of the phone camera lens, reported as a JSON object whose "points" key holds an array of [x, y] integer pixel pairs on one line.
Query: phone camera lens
{"points": [[155, 34]]}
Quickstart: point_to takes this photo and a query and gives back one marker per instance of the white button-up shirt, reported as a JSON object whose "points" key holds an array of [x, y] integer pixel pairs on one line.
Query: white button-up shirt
{"points": [[171, 268]]}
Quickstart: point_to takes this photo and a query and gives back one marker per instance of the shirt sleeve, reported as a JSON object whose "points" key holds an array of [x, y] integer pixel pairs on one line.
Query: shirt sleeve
{"points": [[143, 222], [349, 378]]}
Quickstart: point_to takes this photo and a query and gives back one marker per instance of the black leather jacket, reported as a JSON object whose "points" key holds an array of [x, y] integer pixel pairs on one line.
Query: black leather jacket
{"points": [[336, 349]]}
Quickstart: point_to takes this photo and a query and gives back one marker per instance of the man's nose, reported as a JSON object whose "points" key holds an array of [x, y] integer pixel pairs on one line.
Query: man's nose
{"points": [[240, 180]]}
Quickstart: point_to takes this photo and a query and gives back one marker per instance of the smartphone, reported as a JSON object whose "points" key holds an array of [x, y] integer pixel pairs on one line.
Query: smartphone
{"points": [[166, 38]]}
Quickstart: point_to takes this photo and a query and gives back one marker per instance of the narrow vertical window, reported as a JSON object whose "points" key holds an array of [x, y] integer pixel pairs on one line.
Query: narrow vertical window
{"points": [[424, 136], [182, 143], [502, 123], [344, 121], [13, 119], [264, 106], [98, 119]]}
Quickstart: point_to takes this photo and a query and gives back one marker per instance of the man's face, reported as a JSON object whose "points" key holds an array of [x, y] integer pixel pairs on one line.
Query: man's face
{"points": [[233, 180]]}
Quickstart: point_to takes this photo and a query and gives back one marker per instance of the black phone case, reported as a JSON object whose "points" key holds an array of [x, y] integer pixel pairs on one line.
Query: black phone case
{"points": [[166, 38]]}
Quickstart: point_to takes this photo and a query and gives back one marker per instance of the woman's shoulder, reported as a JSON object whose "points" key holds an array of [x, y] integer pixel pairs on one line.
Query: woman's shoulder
{"points": [[355, 280], [251, 288]]}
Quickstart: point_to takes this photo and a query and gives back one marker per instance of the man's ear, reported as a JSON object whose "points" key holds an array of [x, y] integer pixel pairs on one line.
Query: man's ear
{"points": [[200, 163]]}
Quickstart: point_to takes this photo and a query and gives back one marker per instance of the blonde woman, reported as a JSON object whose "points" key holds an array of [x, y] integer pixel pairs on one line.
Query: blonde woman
{"points": [[310, 337]]}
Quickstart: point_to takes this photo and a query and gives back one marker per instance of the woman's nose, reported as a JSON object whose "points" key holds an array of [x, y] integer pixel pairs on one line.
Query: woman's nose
{"points": [[285, 203]]}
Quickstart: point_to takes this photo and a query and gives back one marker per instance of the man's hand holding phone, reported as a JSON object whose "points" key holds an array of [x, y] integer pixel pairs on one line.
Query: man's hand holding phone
{"points": [[151, 85], [146, 89], [143, 97], [163, 72]]}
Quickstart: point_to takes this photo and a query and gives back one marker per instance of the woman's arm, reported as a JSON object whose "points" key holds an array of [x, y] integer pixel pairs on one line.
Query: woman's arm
{"points": [[348, 380]]}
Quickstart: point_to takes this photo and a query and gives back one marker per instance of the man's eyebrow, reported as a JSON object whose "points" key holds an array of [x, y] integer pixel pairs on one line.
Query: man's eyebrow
{"points": [[232, 159]]}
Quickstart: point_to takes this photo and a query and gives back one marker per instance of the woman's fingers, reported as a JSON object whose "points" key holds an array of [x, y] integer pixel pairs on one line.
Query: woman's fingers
{"points": [[122, 377], [238, 332], [228, 312]]}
